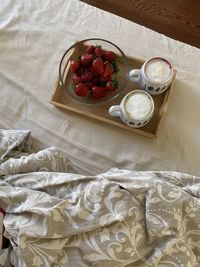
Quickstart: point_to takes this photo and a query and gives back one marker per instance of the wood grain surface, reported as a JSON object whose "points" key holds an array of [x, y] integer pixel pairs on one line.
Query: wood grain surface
{"points": [[178, 19]]}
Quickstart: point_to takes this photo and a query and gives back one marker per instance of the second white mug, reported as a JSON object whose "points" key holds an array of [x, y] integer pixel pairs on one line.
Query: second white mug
{"points": [[155, 75], [135, 110]]}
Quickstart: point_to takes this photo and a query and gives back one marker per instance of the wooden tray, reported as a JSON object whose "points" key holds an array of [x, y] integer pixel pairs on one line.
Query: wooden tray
{"points": [[62, 99]]}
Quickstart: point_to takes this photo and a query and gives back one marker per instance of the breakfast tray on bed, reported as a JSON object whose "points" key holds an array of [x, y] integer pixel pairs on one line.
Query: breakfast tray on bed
{"points": [[62, 99]]}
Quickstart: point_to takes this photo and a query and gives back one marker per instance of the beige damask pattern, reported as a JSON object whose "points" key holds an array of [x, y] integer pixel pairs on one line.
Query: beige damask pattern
{"points": [[119, 218]]}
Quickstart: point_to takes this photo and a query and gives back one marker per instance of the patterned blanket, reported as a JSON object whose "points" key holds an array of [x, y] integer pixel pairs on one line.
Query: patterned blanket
{"points": [[118, 218]]}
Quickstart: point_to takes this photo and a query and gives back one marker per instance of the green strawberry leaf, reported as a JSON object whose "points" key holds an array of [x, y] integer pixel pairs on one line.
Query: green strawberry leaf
{"points": [[115, 65]]}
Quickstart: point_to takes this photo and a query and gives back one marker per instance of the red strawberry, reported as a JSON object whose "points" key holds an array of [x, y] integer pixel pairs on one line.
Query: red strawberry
{"points": [[91, 69], [80, 71], [108, 70], [98, 65], [105, 79], [87, 76], [74, 65], [109, 56], [89, 85], [98, 92], [81, 89], [98, 51], [90, 49], [86, 60], [109, 86], [76, 79]]}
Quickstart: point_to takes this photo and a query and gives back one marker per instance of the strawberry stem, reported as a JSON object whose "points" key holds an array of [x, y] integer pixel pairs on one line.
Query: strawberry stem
{"points": [[115, 65], [115, 83]]}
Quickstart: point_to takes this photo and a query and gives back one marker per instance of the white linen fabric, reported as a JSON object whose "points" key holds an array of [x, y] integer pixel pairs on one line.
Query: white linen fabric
{"points": [[33, 37], [118, 218]]}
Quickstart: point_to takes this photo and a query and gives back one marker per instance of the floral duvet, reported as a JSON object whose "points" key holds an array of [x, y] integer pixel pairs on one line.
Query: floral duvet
{"points": [[119, 218]]}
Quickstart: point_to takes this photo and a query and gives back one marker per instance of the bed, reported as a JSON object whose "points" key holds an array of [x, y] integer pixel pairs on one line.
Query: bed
{"points": [[33, 37], [118, 218]]}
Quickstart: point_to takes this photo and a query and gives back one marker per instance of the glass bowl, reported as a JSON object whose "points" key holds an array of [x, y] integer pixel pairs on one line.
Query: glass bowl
{"points": [[74, 53]]}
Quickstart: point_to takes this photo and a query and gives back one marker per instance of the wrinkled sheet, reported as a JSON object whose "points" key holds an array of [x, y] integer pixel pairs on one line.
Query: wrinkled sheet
{"points": [[118, 218], [33, 37]]}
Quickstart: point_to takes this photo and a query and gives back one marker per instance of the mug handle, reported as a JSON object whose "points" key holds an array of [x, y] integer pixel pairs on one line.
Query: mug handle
{"points": [[134, 75], [115, 111]]}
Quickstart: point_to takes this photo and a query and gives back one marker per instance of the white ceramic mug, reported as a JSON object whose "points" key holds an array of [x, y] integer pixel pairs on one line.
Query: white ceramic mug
{"points": [[134, 116], [155, 75]]}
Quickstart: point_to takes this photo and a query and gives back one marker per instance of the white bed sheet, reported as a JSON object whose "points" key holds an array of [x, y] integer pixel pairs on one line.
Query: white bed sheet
{"points": [[33, 37]]}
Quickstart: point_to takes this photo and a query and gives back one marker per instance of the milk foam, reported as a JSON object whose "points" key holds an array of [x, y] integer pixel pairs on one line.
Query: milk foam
{"points": [[138, 106], [158, 70]]}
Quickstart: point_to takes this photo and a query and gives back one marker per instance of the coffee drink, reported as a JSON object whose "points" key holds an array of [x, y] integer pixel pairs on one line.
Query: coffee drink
{"points": [[158, 70], [155, 75], [136, 109], [138, 105]]}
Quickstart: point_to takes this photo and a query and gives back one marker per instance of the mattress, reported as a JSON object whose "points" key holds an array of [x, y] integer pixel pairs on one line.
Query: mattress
{"points": [[33, 37]]}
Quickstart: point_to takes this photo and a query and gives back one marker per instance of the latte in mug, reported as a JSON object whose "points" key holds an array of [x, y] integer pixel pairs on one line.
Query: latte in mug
{"points": [[135, 110], [158, 70], [138, 105], [155, 75]]}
